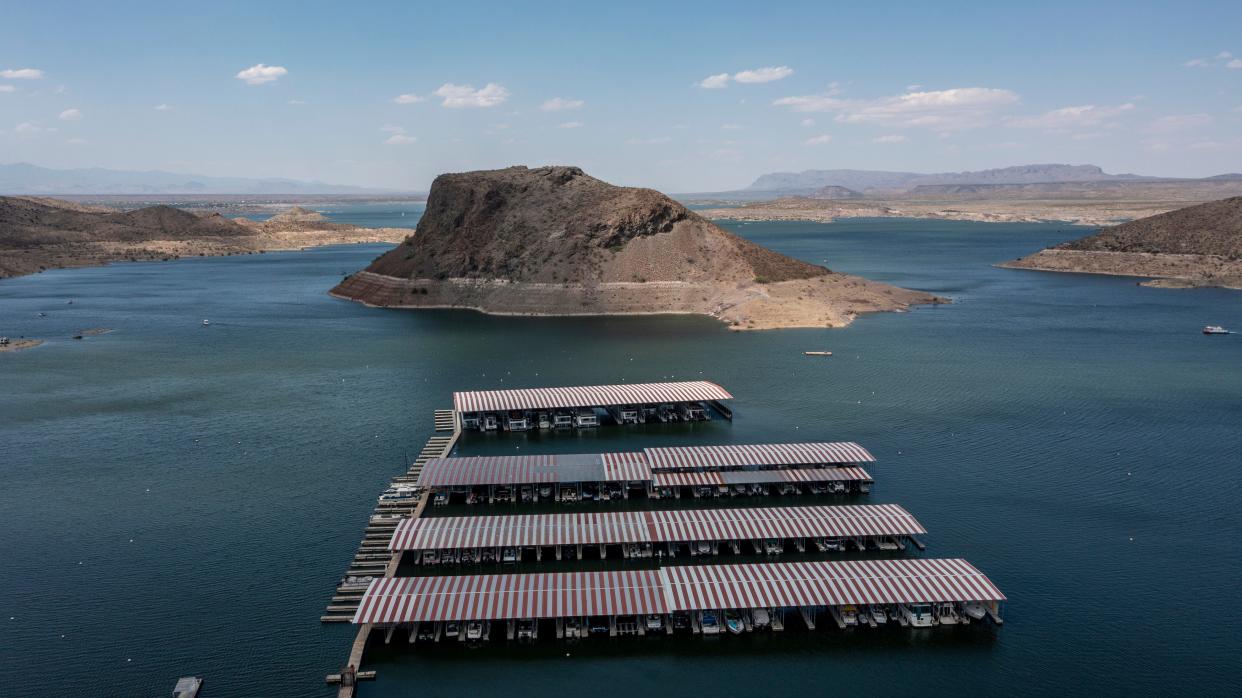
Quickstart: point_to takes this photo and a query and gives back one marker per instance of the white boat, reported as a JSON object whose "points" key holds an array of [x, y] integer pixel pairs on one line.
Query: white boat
{"points": [[187, 687], [975, 610], [878, 615], [1215, 329], [918, 615], [655, 622], [474, 630], [452, 629], [206, 322], [761, 618]]}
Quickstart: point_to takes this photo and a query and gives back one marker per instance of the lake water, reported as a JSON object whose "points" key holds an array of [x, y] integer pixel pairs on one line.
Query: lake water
{"points": [[181, 500]]}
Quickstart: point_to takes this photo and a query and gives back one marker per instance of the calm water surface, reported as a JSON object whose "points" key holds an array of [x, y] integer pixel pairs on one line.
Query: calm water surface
{"points": [[181, 500]]}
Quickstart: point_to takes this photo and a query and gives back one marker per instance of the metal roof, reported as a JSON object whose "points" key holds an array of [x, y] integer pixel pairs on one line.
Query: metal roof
{"points": [[654, 527], [533, 469], [746, 477], [507, 596], [681, 588], [817, 453], [826, 584], [587, 396]]}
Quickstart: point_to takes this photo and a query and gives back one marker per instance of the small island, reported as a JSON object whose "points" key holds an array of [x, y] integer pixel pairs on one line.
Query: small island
{"points": [[556, 241], [1190, 247], [9, 344]]}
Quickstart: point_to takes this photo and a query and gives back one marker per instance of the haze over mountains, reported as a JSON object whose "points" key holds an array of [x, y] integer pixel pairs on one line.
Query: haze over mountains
{"points": [[25, 178], [1037, 179]]}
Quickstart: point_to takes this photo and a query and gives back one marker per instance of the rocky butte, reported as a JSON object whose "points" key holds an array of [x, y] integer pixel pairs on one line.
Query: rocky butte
{"points": [[1194, 246], [555, 241]]}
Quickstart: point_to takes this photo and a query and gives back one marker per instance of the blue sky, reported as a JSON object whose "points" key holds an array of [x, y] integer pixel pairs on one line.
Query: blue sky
{"points": [[678, 96]]}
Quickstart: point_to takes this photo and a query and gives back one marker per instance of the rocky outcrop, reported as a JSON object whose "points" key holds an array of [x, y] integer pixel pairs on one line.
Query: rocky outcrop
{"points": [[1197, 246], [39, 233], [555, 241]]}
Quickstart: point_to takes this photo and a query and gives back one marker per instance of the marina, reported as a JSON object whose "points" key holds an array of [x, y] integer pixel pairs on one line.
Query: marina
{"points": [[713, 599]]}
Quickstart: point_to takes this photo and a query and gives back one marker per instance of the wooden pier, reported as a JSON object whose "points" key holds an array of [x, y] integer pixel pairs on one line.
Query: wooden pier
{"points": [[373, 559]]}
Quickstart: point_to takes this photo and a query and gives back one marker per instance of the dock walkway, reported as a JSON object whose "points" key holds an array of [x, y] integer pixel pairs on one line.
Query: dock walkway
{"points": [[373, 559]]}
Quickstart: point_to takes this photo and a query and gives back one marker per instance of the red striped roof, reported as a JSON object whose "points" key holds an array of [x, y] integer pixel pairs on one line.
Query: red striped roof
{"points": [[653, 527], [817, 453], [739, 477], [683, 588], [533, 469], [826, 583], [587, 396], [507, 596]]}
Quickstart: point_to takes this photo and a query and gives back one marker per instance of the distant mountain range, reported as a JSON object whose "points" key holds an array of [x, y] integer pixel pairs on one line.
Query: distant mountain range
{"points": [[879, 183], [24, 178]]}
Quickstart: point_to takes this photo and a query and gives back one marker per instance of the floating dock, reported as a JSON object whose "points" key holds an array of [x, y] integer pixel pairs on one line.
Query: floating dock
{"points": [[577, 407], [824, 467], [766, 530], [953, 590]]}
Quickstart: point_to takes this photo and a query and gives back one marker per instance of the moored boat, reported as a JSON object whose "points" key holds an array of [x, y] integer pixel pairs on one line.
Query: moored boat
{"points": [[1215, 329]]}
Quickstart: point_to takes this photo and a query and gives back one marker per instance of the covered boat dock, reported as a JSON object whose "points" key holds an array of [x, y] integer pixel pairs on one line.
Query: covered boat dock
{"points": [[641, 534], [583, 406], [707, 599]]}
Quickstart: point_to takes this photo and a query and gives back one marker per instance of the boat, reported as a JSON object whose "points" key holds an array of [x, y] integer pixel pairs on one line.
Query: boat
{"points": [[187, 686], [1215, 329], [817, 353], [878, 615], [655, 621], [710, 624], [206, 322], [452, 629], [975, 610], [474, 630], [733, 622], [761, 618]]}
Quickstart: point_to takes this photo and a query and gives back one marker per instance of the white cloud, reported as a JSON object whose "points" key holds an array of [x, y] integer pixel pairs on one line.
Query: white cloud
{"points": [[31, 128], [649, 141], [21, 74], [570, 124], [1178, 122], [7, 88], [730, 127], [756, 75], [71, 115], [76, 141], [457, 96], [943, 110], [400, 139], [807, 122], [162, 107], [770, 74], [297, 102], [561, 104], [1221, 58], [389, 128], [1085, 115], [891, 138], [408, 98], [259, 74], [821, 139]]}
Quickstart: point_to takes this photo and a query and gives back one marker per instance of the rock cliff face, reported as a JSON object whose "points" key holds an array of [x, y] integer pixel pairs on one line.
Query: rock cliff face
{"points": [[555, 241]]}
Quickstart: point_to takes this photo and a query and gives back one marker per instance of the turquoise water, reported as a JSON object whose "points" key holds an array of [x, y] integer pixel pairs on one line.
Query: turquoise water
{"points": [[181, 500]]}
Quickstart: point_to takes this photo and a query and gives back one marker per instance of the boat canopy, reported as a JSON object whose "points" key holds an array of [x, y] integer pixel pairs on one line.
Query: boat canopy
{"points": [[730, 455], [587, 396]]}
